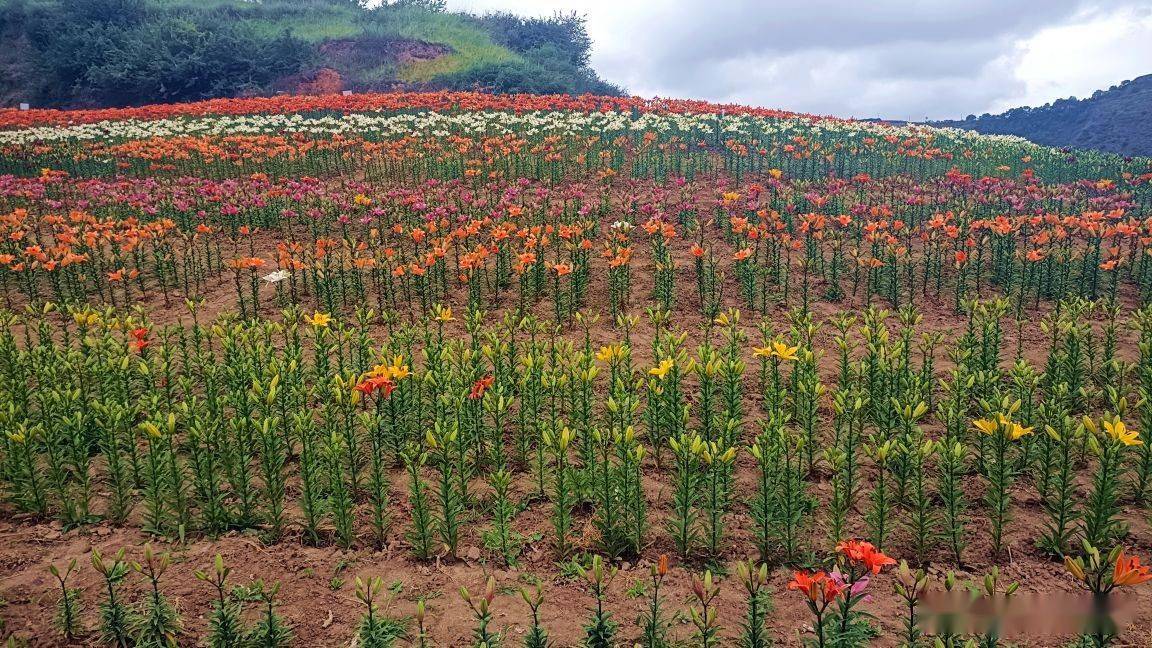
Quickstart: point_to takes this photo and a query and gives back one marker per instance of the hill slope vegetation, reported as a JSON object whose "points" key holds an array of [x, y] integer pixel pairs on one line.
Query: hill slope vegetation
{"points": [[95, 53], [1118, 120]]}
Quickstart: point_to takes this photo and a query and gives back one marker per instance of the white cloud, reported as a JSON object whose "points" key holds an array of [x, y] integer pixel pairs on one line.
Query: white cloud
{"points": [[1092, 53], [907, 59]]}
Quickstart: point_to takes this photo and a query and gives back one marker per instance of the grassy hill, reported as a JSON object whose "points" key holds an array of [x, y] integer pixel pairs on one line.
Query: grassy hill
{"points": [[1118, 120], [132, 52]]}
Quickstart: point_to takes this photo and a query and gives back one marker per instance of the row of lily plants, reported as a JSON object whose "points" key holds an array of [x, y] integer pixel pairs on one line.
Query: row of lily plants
{"points": [[422, 139], [246, 614], [307, 427], [769, 242]]}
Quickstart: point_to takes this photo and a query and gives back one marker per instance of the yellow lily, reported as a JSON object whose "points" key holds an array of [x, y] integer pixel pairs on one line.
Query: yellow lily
{"points": [[319, 320], [662, 370], [1118, 431], [986, 426], [1016, 431], [397, 370], [610, 353], [784, 352]]}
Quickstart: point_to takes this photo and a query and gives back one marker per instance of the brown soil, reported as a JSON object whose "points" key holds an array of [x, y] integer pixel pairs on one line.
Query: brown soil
{"points": [[316, 596], [366, 64], [371, 52]]}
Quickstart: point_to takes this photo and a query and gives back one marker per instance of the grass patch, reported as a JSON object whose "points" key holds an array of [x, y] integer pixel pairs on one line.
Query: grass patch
{"points": [[472, 47], [317, 21]]}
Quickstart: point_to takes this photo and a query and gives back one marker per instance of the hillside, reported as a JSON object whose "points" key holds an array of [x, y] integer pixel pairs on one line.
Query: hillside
{"points": [[447, 364], [98, 53], [1118, 120]]}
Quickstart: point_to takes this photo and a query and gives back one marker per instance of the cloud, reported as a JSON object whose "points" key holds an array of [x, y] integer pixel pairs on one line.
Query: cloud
{"points": [[1097, 51], [901, 59]]}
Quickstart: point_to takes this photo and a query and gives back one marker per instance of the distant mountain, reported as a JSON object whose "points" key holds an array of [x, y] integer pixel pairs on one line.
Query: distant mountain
{"points": [[97, 53], [1118, 120]]}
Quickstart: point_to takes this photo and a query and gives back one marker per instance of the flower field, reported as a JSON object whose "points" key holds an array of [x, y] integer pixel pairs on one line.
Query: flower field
{"points": [[452, 369]]}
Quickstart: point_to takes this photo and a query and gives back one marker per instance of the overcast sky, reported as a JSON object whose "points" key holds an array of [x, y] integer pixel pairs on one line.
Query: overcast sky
{"points": [[861, 58]]}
